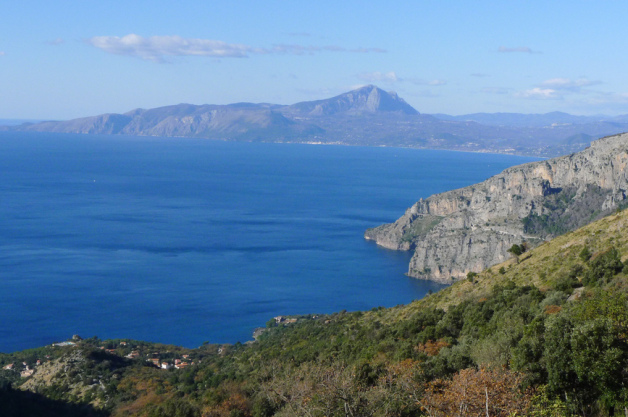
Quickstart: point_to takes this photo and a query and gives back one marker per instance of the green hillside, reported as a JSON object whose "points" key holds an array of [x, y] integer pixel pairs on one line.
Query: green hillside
{"points": [[544, 334]]}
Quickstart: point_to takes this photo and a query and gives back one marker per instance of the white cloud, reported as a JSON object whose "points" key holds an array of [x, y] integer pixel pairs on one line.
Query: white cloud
{"points": [[558, 88], [437, 82], [539, 93], [156, 48], [523, 49], [566, 84]]}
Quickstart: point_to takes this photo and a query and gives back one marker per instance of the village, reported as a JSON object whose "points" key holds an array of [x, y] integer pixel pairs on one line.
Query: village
{"points": [[171, 358]]}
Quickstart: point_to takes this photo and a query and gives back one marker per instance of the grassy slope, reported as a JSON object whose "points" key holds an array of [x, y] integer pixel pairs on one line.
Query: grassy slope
{"points": [[540, 267]]}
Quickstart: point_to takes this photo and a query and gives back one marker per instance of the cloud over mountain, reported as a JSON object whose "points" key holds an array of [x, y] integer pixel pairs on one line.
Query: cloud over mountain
{"points": [[392, 77]]}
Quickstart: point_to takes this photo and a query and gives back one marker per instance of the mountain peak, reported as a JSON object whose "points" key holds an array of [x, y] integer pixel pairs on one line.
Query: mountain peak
{"points": [[368, 99]]}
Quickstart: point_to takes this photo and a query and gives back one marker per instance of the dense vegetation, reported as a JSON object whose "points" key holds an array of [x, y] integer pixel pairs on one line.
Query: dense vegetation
{"points": [[545, 334], [565, 211]]}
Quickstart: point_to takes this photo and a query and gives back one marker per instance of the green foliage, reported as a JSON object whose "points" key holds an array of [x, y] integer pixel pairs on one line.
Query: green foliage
{"points": [[563, 212], [263, 408], [516, 250], [585, 254], [603, 268], [568, 282], [420, 227], [543, 405], [174, 408]]}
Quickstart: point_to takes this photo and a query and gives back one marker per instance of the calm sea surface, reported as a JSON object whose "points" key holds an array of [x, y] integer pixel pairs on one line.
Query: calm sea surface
{"points": [[183, 241]]}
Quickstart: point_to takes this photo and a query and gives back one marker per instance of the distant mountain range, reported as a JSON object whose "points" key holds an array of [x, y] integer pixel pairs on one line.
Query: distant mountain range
{"points": [[367, 116], [552, 119]]}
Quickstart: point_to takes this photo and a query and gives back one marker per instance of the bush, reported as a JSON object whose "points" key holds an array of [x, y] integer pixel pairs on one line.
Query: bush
{"points": [[567, 283], [603, 268], [517, 249], [585, 254]]}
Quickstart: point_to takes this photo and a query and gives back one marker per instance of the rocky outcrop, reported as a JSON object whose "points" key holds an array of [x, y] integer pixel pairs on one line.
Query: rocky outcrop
{"points": [[472, 228]]}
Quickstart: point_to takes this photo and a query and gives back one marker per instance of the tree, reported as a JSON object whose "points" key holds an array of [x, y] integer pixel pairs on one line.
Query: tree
{"points": [[474, 392], [516, 250]]}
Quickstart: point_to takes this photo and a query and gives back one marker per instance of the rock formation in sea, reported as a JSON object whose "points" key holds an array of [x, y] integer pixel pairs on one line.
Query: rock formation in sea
{"points": [[472, 228]]}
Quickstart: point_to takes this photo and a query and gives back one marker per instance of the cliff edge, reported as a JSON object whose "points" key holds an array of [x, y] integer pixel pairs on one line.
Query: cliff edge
{"points": [[472, 228]]}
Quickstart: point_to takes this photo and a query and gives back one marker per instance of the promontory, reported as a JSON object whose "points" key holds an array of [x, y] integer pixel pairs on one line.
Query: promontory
{"points": [[472, 228]]}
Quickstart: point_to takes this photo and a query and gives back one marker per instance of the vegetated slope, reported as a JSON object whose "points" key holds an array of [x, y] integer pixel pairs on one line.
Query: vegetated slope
{"points": [[472, 228], [544, 335], [366, 116]]}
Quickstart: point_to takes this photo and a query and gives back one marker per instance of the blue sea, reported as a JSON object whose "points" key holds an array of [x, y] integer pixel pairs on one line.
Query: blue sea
{"points": [[183, 241]]}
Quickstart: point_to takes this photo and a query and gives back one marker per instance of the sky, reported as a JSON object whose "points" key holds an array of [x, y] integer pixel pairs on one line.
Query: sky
{"points": [[67, 59]]}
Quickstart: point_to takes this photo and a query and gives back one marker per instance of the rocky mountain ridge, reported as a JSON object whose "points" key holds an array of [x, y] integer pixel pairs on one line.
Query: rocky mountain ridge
{"points": [[472, 228], [367, 116]]}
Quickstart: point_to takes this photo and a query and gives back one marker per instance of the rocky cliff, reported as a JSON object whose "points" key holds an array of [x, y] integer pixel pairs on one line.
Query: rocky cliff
{"points": [[472, 228]]}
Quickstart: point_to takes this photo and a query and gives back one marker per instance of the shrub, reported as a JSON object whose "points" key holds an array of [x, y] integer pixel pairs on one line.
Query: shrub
{"points": [[603, 267], [585, 254]]}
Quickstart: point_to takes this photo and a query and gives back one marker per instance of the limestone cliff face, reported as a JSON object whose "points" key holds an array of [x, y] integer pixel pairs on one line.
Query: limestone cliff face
{"points": [[472, 228]]}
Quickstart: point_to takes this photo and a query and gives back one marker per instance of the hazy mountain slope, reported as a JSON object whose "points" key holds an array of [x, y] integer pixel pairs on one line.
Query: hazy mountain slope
{"points": [[368, 99], [233, 122], [367, 116], [524, 120], [472, 228]]}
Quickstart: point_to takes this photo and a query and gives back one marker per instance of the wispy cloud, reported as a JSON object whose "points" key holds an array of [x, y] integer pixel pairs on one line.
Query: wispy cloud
{"points": [[57, 41], [566, 84], [392, 77], [479, 75], [557, 88], [157, 48], [601, 99], [304, 49], [522, 49], [2, 53], [374, 77], [539, 93]]}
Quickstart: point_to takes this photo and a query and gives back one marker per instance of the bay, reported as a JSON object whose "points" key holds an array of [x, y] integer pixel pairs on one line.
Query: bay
{"points": [[183, 241]]}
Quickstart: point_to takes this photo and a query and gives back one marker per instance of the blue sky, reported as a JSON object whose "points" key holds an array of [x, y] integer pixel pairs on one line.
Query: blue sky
{"points": [[67, 59]]}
